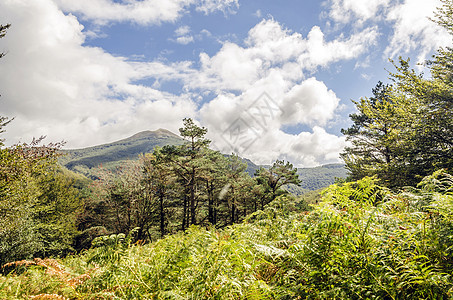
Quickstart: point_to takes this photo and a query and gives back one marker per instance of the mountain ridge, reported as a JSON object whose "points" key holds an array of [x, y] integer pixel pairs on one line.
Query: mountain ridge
{"points": [[111, 155]]}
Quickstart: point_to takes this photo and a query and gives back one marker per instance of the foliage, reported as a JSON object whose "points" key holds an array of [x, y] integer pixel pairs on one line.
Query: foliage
{"points": [[361, 241], [173, 188], [405, 131], [38, 203], [320, 177], [273, 179], [113, 155]]}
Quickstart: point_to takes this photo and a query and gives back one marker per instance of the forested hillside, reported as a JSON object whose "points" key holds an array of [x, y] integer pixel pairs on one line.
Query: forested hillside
{"points": [[187, 222], [87, 161], [320, 177]]}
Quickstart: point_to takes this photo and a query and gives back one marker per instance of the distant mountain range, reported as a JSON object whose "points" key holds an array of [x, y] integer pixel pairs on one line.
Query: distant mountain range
{"points": [[109, 156]]}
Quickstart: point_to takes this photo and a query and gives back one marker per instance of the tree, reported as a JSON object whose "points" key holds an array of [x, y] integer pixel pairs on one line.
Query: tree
{"points": [[425, 109], [125, 199], [372, 136], [187, 162], [408, 133], [192, 151], [160, 181], [272, 180], [38, 203], [240, 192]]}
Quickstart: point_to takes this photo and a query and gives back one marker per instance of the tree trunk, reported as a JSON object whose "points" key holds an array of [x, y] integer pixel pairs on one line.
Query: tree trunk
{"points": [[184, 214], [192, 198], [161, 213]]}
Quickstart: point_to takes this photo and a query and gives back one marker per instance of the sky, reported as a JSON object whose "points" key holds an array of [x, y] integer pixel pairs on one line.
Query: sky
{"points": [[268, 79]]}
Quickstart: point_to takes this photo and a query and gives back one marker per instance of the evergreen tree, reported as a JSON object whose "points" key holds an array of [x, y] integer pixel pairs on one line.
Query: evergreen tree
{"points": [[405, 132], [274, 178], [372, 136], [187, 163]]}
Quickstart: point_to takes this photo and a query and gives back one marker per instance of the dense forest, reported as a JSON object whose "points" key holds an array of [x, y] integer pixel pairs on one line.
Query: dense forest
{"points": [[186, 222]]}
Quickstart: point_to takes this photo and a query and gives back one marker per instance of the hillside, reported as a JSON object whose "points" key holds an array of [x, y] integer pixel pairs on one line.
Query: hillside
{"points": [[112, 154], [320, 177]]}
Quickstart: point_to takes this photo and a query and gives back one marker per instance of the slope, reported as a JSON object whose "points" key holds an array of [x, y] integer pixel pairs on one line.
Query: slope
{"points": [[112, 154]]}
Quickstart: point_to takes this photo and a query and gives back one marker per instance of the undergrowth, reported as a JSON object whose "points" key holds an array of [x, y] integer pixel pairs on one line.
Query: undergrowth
{"points": [[361, 242]]}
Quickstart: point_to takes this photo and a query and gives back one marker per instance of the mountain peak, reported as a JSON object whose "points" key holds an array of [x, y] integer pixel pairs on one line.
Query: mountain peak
{"points": [[159, 133], [110, 155]]}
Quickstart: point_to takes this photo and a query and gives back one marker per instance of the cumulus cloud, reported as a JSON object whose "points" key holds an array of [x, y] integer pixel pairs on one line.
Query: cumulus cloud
{"points": [[410, 27], [273, 61], [55, 86], [322, 53], [309, 102], [271, 48], [344, 11], [64, 88], [311, 148], [414, 31], [143, 12]]}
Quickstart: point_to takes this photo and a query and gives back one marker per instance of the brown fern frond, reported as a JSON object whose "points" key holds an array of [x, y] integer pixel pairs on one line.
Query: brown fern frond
{"points": [[48, 297]]}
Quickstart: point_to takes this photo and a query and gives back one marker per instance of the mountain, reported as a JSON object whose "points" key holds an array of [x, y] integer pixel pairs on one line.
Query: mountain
{"points": [[109, 156], [320, 177], [112, 154]]}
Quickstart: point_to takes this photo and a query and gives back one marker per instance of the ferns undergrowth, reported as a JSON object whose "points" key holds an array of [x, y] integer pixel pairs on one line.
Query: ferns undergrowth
{"points": [[361, 242]]}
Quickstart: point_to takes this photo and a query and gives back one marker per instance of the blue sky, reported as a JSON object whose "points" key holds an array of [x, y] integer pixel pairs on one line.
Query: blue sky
{"points": [[269, 79]]}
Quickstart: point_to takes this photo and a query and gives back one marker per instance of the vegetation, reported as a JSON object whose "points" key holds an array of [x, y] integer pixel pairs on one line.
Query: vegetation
{"points": [[363, 241], [320, 177], [405, 131], [177, 186], [38, 203], [186, 222], [111, 156]]}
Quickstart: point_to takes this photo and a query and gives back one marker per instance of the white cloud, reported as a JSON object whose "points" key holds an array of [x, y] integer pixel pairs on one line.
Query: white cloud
{"points": [[182, 35], [322, 53], [414, 31], [184, 40], [57, 87], [226, 6], [183, 30], [142, 12], [313, 148], [273, 60], [64, 88], [306, 149], [410, 29], [271, 48], [309, 102], [344, 11]]}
